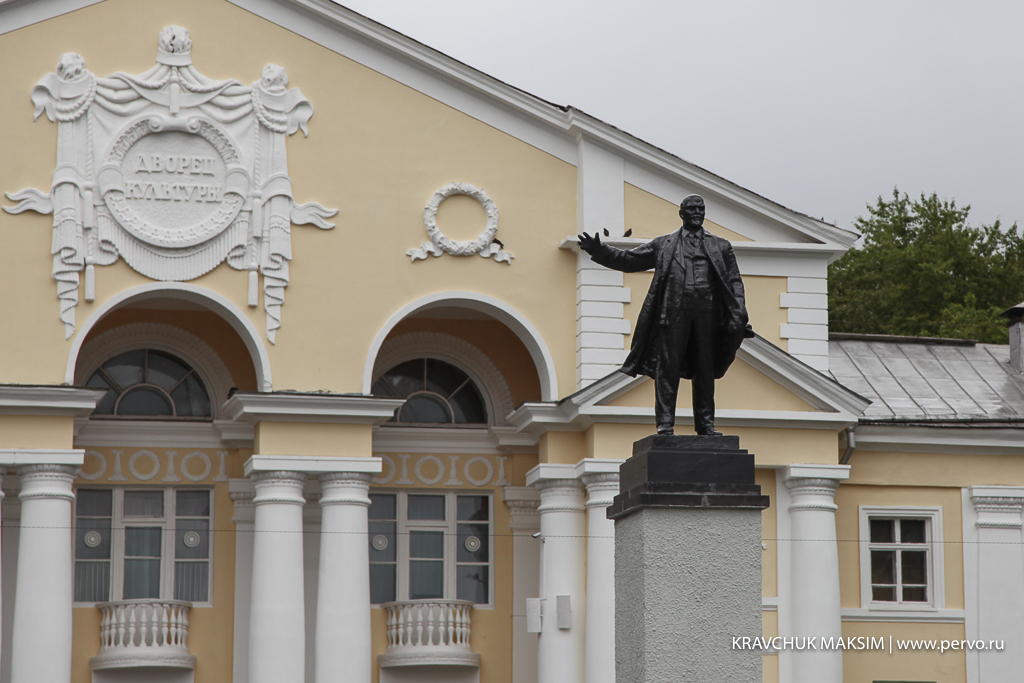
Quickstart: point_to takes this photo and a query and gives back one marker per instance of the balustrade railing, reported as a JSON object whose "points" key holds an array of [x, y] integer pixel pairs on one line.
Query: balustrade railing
{"points": [[144, 633], [428, 632]]}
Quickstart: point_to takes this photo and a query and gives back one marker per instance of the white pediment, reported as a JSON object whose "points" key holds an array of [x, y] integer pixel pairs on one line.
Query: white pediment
{"points": [[171, 171]]}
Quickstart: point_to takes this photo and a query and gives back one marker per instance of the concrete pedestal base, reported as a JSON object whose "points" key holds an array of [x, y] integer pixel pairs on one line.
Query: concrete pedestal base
{"points": [[687, 562]]}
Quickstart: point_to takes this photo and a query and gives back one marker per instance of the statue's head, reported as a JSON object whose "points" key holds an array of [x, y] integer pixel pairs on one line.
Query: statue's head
{"points": [[274, 79], [70, 66], [691, 210], [174, 40]]}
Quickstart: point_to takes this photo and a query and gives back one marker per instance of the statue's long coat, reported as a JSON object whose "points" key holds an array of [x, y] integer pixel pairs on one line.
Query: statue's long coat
{"points": [[663, 303]]}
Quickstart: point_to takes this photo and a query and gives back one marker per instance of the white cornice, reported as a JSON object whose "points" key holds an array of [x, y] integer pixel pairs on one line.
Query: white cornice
{"points": [[162, 434], [20, 399], [311, 464], [478, 441], [289, 407], [966, 440]]}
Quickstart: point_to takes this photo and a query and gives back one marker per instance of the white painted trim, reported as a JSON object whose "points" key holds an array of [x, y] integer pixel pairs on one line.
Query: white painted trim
{"points": [[972, 620], [312, 464], [13, 457], [545, 471], [482, 303], [19, 399], [783, 530], [965, 440], [939, 616], [801, 471], [296, 407], [209, 299], [936, 563], [483, 441], [162, 434]]}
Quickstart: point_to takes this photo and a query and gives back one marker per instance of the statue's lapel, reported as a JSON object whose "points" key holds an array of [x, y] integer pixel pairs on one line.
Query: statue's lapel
{"points": [[676, 247]]}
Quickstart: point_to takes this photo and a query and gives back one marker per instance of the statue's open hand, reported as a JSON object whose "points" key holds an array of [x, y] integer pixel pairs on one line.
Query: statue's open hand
{"points": [[589, 244]]}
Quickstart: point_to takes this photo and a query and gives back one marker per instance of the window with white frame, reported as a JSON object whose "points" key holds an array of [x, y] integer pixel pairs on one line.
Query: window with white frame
{"points": [[142, 544], [430, 546], [901, 557]]}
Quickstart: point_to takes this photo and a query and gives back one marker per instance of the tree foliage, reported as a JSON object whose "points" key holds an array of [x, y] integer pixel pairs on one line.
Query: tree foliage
{"points": [[923, 271]]}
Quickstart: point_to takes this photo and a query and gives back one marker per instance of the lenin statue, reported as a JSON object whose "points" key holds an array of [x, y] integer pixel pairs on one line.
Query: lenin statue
{"points": [[693, 319]]}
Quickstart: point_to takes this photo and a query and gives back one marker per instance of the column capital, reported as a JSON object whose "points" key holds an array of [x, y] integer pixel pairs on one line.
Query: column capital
{"points": [[836, 473], [998, 506], [279, 486], [602, 487], [345, 488], [47, 480], [522, 502]]}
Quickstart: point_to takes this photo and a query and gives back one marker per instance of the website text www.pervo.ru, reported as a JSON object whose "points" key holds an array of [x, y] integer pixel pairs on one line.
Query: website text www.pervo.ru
{"points": [[882, 643]]}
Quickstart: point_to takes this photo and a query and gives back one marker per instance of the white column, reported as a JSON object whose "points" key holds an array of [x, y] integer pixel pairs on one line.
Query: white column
{"points": [[1000, 585], [9, 567], [814, 568], [600, 639], [560, 651], [242, 493], [524, 522], [41, 644], [277, 633], [343, 634]]}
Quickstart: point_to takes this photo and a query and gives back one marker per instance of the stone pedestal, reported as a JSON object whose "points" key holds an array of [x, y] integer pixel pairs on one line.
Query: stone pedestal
{"points": [[687, 561]]}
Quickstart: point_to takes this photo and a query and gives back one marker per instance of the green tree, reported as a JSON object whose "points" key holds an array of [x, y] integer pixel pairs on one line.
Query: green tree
{"points": [[923, 271]]}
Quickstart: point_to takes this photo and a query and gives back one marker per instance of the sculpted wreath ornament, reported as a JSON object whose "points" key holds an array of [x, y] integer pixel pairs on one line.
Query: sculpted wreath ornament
{"points": [[485, 244]]}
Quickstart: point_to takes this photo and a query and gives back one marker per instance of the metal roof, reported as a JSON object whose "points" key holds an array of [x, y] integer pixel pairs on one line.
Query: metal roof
{"points": [[928, 380]]}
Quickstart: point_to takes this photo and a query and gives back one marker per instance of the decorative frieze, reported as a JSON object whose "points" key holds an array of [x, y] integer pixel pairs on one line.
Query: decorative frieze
{"points": [[431, 470], [172, 171], [144, 465]]}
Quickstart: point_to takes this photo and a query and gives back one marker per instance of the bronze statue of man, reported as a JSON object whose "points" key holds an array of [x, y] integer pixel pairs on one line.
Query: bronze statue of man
{"points": [[693, 319]]}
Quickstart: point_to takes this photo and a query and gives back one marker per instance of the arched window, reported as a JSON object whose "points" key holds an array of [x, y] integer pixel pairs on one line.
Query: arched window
{"points": [[148, 383], [436, 393]]}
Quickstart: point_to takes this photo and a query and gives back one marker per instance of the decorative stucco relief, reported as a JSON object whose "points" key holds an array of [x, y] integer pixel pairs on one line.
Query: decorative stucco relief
{"points": [[173, 172], [485, 243]]}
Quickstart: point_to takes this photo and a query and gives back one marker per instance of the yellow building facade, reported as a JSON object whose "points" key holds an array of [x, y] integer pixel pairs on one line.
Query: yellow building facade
{"points": [[306, 379]]}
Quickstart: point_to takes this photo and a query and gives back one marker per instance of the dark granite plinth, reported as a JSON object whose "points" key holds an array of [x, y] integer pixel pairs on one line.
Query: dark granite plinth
{"points": [[687, 471]]}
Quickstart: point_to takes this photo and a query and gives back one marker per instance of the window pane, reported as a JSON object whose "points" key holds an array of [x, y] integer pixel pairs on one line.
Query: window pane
{"points": [[145, 401], [473, 543], [92, 581], [142, 541], [883, 566], [882, 531], [473, 508], [192, 539], [191, 581], [883, 593], [191, 399], [141, 579], [426, 507], [426, 544], [406, 378], [164, 370], [473, 583], [106, 404], [914, 566], [382, 388], [912, 531], [92, 538], [444, 378], [469, 405], [382, 549], [425, 408], [93, 503], [144, 503], [126, 369], [192, 503], [382, 583], [915, 594], [426, 579], [382, 506]]}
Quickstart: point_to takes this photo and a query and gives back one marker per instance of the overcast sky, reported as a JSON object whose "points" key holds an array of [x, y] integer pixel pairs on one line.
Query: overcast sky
{"points": [[820, 106]]}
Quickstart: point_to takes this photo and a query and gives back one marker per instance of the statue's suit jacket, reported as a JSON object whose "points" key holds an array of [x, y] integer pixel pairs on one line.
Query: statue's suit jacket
{"points": [[663, 304]]}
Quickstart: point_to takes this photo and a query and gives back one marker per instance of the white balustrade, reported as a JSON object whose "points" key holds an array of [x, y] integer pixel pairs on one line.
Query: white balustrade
{"points": [[137, 633], [428, 632]]}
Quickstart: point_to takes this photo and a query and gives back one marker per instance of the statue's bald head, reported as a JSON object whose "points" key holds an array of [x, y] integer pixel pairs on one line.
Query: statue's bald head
{"points": [[691, 210]]}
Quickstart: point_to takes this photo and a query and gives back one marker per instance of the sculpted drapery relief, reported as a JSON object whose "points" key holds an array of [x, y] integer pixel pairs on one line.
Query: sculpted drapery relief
{"points": [[171, 171]]}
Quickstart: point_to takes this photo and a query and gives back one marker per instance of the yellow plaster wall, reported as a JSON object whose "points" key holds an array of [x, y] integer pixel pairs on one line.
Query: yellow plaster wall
{"points": [[742, 388], [36, 431], [377, 151], [868, 666], [565, 447], [765, 478], [850, 496], [313, 438], [935, 469]]}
